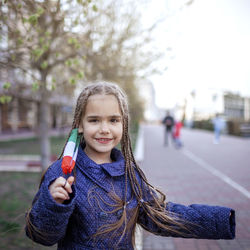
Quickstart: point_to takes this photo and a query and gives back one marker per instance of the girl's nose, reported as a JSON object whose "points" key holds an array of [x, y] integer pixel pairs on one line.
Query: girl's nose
{"points": [[104, 129]]}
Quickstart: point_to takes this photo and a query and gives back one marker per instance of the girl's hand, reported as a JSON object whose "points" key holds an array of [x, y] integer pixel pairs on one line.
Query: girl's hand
{"points": [[60, 189]]}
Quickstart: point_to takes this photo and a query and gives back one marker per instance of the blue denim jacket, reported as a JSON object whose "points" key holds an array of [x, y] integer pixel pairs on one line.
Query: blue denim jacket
{"points": [[73, 223]]}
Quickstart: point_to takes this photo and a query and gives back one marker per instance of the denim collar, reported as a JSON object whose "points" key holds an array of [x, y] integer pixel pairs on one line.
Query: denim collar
{"points": [[115, 168]]}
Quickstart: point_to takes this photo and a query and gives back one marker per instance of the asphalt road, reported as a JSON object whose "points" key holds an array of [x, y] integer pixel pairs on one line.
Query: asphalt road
{"points": [[200, 172]]}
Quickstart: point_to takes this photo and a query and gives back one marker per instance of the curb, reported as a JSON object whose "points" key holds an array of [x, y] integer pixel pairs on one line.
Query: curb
{"points": [[19, 157], [139, 156]]}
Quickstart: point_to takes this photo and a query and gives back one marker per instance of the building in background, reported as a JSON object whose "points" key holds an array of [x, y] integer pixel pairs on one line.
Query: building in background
{"points": [[147, 92], [22, 113], [204, 104], [236, 107]]}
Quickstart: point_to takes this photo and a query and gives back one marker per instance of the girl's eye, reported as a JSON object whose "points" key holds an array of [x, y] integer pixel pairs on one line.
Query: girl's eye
{"points": [[93, 120], [114, 120]]}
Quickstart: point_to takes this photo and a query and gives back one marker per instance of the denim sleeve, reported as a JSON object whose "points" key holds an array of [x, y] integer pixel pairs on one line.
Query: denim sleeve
{"points": [[49, 219], [196, 221]]}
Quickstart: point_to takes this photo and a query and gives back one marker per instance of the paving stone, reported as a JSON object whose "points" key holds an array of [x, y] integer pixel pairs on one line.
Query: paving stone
{"points": [[185, 182]]}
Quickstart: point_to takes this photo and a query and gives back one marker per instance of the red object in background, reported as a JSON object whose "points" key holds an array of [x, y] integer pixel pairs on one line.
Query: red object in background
{"points": [[177, 129]]}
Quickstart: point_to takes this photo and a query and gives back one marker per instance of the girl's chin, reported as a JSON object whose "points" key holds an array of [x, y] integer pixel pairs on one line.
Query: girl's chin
{"points": [[103, 148]]}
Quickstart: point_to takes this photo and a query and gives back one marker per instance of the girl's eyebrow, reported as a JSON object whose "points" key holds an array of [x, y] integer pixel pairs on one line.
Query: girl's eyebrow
{"points": [[98, 116]]}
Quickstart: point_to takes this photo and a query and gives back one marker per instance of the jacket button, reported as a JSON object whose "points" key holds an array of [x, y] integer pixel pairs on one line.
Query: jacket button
{"points": [[103, 215]]}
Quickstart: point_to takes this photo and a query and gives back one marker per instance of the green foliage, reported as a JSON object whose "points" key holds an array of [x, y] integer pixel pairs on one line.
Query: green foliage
{"points": [[94, 8], [40, 11], [6, 85], [75, 61], [68, 62], [80, 75], [33, 19], [72, 81], [47, 33], [41, 40], [8, 226], [53, 87], [19, 41], [10, 205], [5, 99], [203, 124], [19, 187], [72, 40], [24, 186], [35, 86], [44, 65], [13, 57], [37, 53]]}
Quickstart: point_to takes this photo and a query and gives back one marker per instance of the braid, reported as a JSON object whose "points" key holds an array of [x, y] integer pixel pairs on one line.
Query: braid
{"points": [[154, 208]]}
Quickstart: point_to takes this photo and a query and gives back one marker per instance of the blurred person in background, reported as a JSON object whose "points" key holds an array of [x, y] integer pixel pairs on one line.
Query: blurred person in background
{"points": [[177, 134], [168, 122], [219, 125]]}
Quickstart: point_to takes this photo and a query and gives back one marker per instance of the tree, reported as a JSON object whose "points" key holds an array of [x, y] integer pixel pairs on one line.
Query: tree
{"points": [[55, 44], [39, 40]]}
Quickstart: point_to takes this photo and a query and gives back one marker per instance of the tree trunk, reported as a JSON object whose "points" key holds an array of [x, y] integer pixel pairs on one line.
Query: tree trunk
{"points": [[44, 126]]}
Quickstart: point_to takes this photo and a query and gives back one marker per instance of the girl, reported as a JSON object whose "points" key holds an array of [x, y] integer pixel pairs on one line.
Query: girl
{"points": [[97, 205]]}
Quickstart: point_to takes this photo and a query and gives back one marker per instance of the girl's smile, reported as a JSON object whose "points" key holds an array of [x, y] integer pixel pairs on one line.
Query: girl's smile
{"points": [[104, 140], [101, 126]]}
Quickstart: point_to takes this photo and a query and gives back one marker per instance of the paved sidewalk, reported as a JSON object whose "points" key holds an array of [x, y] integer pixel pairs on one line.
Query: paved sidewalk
{"points": [[187, 181]]}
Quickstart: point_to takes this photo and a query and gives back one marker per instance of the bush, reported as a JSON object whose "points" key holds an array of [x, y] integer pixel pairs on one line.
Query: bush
{"points": [[203, 124]]}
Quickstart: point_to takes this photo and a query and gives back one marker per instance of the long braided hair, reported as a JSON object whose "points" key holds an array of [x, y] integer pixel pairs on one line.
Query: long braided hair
{"points": [[155, 208]]}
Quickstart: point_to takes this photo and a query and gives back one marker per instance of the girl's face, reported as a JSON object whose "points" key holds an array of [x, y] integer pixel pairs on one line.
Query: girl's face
{"points": [[101, 126]]}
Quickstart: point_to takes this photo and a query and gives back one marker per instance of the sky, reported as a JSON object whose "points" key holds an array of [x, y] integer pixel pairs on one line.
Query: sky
{"points": [[207, 45]]}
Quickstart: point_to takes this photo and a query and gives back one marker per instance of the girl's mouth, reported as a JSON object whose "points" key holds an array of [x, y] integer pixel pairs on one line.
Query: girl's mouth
{"points": [[103, 140]]}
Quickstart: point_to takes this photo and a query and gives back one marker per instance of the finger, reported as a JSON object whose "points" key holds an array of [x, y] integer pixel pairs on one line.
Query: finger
{"points": [[71, 180], [61, 190], [59, 195], [59, 182], [69, 183]]}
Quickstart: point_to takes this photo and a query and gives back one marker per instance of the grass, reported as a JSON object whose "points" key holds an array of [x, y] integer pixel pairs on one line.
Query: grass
{"points": [[16, 191]]}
